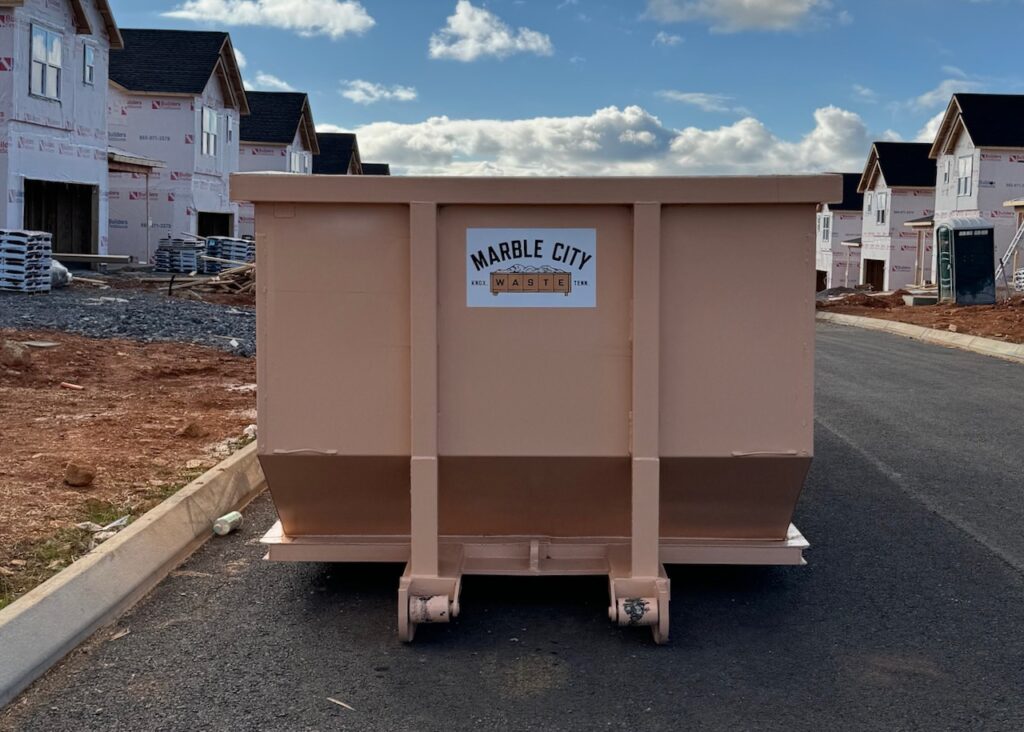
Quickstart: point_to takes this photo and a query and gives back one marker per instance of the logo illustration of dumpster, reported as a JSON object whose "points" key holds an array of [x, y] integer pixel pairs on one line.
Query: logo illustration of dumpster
{"points": [[531, 279]]}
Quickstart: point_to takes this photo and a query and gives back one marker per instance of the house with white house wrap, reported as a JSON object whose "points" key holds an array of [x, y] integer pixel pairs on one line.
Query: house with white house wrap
{"points": [[836, 260], [177, 97], [898, 185], [53, 133], [979, 152], [278, 135]]}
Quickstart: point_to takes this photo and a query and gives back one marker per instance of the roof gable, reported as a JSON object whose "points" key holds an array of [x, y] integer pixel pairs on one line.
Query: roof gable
{"points": [[991, 120], [900, 164], [276, 117], [853, 199], [338, 152], [177, 62], [81, 19]]}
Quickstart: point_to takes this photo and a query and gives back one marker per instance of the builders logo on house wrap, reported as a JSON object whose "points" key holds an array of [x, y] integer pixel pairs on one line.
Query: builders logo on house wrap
{"points": [[531, 268]]}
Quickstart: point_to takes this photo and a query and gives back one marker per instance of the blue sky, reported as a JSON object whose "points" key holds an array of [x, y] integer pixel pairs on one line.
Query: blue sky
{"points": [[624, 87]]}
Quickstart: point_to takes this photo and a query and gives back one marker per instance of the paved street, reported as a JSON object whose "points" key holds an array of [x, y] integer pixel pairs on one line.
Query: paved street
{"points": [[908, 616]]}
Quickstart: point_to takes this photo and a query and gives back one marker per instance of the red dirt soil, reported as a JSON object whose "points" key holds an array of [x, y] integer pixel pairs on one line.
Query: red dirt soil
{"points": [[1003, 321], [124, 422]]}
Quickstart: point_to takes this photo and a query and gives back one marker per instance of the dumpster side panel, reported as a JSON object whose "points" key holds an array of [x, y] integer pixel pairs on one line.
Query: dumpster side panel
{"points": [[333, 349], [534, 422], [737, 362]]}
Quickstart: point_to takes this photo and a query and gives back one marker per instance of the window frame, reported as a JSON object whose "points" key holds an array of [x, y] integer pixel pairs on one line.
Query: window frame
{"points": [[209, 134], [826, 228], [88, 69], [881, 208], [46, 63], [965, 176]]}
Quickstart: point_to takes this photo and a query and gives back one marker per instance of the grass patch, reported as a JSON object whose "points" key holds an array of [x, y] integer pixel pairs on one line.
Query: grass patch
{"points": [[37, 561]]}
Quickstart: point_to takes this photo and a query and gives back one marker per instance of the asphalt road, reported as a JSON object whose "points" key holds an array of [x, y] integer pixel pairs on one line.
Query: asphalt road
{"points": [[908, 616]]}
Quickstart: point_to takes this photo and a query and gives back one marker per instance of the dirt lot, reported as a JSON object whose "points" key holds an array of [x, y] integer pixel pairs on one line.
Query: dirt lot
{"points": [[1003, 321], [149, 417]]}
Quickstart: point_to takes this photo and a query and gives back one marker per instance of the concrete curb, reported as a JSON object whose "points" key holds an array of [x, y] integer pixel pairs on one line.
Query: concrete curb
{"points": [[977, 344], [39, 629]]}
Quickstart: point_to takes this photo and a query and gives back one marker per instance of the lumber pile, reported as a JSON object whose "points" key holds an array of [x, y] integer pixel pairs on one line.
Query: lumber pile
{"points": [[237, 278]]}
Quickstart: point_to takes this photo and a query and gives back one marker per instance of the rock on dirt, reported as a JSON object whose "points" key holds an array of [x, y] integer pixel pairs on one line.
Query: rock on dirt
{"points": [[192, 431], [15, 355], [79, 475]]}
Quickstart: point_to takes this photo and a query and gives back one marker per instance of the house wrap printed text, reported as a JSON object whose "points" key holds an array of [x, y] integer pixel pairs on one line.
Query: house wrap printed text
{"points": [[531, 268]]}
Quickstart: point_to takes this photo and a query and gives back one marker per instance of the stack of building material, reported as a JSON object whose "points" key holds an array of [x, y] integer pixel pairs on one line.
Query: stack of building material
{"points": [[179, 255], [25, 260], [1018, 280], [230, 251]]}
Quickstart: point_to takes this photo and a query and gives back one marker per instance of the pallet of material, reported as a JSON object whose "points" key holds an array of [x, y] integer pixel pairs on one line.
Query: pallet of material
{"points": [[25, 260]]}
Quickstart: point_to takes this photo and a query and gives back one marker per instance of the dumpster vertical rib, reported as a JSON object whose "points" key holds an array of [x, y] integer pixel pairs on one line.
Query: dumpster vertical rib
{"points": [[423, 363], [644, 434]]}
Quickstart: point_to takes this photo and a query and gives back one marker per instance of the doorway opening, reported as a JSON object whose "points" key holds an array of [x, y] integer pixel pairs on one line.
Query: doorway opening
{"points": [[215, 224], [68, 211], [874, 274]]}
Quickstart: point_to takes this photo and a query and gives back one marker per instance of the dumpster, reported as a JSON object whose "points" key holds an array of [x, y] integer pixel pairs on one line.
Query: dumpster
{"points": [[570, 376]]}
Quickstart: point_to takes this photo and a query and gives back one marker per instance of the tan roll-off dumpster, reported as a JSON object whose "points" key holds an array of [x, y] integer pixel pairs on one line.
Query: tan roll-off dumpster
{"points": [[535, 376]]}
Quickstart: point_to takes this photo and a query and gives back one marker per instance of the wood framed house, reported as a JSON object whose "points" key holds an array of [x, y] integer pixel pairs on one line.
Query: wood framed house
{"points": [[278, 135], [898, 185], [54, 56], [175, 96], [838, 264], [979, 154]]}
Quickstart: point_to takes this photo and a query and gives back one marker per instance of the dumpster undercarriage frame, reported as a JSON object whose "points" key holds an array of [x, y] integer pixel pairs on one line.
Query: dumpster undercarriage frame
{"points": [[633, 601]]}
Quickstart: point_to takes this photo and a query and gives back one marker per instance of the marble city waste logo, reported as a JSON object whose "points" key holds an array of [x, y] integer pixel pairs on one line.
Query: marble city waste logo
{"points": [[520, 278], [531, 268]]}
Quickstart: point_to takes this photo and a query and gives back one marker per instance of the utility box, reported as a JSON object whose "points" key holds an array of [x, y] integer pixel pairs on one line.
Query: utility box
{"points": [[535, 376], [965, 254]]}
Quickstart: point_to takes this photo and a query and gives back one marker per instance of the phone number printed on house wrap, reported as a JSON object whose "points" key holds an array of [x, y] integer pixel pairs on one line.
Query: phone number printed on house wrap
{"points": [[531, 268]]}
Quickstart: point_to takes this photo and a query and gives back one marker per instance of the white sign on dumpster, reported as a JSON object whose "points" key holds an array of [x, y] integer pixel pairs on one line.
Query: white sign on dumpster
{"points": [[531, 268]]}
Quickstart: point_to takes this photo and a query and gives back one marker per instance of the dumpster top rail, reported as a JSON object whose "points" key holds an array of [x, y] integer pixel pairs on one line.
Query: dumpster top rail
{"points": [[290, 188]]}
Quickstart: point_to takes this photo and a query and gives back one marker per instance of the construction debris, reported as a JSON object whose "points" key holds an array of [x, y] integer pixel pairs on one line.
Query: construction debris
{"points": [[227, 523], [25, 261]]}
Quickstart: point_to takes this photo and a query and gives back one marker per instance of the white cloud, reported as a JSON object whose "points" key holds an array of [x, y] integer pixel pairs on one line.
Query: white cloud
{"points": [[931, 128], [268, 82], [612, 141], [666, 39], [940, 95], [701, 100], [865, 94], [334, 18], [473, 32], [366, 92], [331, 128], [730, 16], [240, 59]]}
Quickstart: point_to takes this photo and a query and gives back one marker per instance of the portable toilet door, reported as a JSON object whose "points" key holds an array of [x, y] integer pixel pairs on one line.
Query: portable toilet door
{"points": [[966, 254]]}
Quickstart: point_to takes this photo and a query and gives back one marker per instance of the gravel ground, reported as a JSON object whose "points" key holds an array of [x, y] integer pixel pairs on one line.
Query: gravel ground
{"points": [[140, 316], [908, 616]]}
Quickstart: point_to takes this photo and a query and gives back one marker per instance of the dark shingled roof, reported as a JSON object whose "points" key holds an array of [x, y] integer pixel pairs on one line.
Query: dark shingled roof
{"points": [[273, 117], [169, 61], [993, 120], [336, 152], [376, 169], [906, 164], [852, 201]]}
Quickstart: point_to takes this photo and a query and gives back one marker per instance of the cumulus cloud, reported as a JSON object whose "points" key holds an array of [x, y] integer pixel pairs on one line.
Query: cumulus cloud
{"points": [[940, 95], [473, 33], [268, 82], [611, 141], [334, 18], [931, 128], [730, 16], [666, 39], [702, 100], [240, 59], [366, 92]]}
